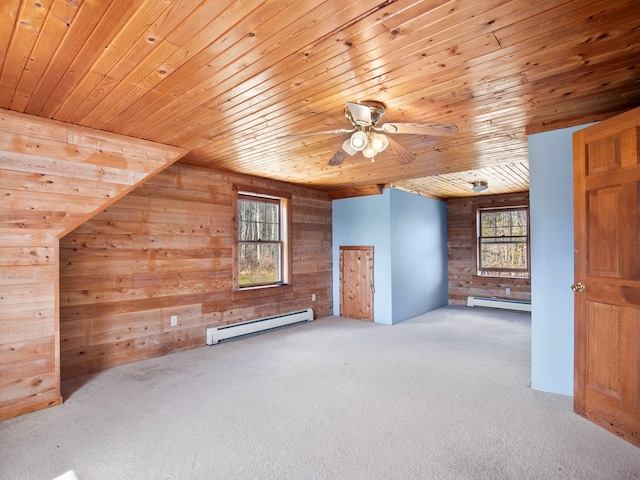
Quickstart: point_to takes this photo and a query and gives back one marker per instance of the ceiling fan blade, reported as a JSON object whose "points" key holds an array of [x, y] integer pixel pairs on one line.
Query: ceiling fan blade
{"points": [[323, 132], [403, 155], [338, 158], [361, 114], [433, 129]]}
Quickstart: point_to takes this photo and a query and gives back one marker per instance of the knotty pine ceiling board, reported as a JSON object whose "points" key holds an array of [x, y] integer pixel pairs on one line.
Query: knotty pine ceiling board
{"points": [[507, 178], [229, 80]]}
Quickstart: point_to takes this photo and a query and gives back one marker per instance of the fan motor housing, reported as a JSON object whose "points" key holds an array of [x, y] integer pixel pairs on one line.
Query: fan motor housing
{"points": [[377, 111]]}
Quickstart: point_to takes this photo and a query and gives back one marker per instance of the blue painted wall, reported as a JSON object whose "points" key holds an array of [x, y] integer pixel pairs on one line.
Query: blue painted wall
{"points": [[418, 254], [408, 233], [365, 221], [551, 219], [393, 224]]}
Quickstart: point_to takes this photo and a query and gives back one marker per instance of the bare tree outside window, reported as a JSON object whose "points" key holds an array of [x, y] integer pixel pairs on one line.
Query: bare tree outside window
{"points": [[503, 242], [259, 241]]}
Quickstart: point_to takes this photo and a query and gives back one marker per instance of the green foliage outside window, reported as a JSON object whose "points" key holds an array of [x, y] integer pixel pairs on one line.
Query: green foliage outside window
{"points": [[259, 242]]}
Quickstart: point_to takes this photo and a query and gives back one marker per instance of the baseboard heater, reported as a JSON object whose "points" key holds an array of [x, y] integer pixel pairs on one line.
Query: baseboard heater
{"points": [[499, 303], [215, 334]]}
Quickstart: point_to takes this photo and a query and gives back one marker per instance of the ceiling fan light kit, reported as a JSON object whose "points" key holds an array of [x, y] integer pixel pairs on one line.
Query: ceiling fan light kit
{"points": [[370, 144], [359, 141], [346, 146], [369, 152], [378, 142]]}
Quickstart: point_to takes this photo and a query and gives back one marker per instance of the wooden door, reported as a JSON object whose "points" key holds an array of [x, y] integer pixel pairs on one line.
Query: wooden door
{"points": [[356, 283], [607, 274]]}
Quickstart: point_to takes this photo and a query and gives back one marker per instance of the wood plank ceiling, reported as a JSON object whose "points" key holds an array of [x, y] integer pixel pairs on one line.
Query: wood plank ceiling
{"points": [[226, 79]]}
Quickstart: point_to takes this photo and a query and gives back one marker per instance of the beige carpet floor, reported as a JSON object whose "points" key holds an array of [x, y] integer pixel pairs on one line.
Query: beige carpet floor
{"points": [[443, 396]]}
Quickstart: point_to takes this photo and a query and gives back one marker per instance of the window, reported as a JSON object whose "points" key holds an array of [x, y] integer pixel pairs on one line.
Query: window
{"points": [[503, 242], [262, 239]]}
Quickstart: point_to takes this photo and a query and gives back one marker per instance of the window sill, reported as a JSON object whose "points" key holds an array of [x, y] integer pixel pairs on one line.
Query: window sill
{"points": [[502, 277], [262, 291]]}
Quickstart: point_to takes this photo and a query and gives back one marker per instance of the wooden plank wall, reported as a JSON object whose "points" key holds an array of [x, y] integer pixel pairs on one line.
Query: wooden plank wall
{"points": [[29, 373], [166, 249], [53, 176], [463, 281]]}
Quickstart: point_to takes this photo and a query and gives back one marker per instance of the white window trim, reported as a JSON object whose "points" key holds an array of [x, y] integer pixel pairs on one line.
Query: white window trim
{"points": [[284, 200]]}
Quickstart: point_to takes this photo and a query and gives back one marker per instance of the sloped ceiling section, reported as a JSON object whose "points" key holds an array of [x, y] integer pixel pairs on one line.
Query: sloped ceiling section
{"points": [[228, 79], [53, 177]]}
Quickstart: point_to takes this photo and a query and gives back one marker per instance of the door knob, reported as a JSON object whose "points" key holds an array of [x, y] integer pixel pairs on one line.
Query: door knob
{"points": [[578, 287]]}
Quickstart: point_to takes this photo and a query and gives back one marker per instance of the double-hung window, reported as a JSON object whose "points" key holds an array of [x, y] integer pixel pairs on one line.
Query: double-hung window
{"points": [[262, 239], [503, 242]]}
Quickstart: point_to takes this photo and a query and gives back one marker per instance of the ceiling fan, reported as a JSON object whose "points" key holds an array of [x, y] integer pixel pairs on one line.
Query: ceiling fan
{"points": [[369, 138]]}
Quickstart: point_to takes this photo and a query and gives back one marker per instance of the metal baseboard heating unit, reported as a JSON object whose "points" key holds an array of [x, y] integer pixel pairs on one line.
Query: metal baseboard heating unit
{"points": [[215, 334], [499, 303]]}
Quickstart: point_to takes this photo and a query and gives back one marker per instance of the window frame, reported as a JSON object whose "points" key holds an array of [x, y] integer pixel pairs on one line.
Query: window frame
{"points": [[490, 272], [283, 200]]}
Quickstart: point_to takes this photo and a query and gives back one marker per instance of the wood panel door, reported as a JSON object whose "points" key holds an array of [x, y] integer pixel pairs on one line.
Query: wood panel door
{"points": [[356, 283], [607, 274]]}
